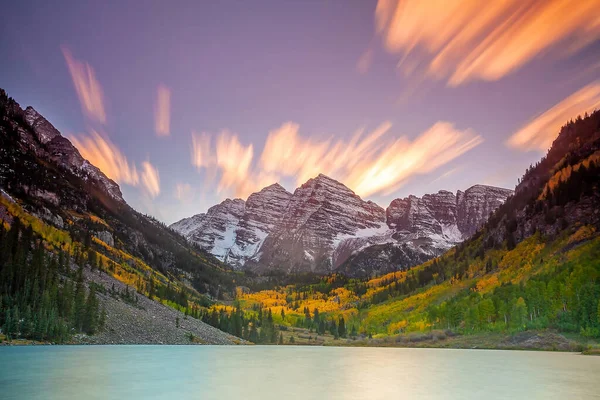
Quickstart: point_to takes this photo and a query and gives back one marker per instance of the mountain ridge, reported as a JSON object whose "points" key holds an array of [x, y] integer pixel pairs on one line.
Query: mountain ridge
{"points": [[324, 223]]}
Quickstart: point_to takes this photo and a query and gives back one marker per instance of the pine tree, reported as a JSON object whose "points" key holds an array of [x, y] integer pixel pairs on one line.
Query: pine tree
{"points": [[90, 323], [102, 319], [79, 302], [342, 327]]}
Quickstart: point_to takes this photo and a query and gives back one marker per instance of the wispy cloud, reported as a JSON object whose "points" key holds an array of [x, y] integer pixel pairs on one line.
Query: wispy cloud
{"points": [[150, 179], [397, 163], [87, 87], [183, 191], [368, 163], [364, 62], [463, 40], [105, 155], [162, 111], [541, 132]]}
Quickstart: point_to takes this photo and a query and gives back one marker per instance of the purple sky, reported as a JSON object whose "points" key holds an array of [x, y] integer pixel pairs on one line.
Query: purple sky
{"points": [[249, 68]]}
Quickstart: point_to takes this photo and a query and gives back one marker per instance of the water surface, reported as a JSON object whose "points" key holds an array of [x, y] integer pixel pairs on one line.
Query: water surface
{"points": [[288, 372]]}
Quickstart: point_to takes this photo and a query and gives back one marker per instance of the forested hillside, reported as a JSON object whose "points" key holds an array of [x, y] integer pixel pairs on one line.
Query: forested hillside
{"points": [[41, 297]]}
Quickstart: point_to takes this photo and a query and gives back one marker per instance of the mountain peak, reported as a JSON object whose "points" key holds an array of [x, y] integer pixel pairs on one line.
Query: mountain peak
{"points": [[275, 187], [323, 177]]}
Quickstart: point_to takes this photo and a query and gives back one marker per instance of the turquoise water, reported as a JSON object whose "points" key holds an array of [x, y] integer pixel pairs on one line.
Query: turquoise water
{"points": [[288, 372]]}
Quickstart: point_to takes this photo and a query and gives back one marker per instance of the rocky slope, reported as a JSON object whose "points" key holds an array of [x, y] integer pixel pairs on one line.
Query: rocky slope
{"points": [[148, 322], [325, 226]]}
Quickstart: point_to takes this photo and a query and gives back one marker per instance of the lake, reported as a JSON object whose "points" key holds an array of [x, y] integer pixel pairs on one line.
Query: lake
{"points": [[289, 372]]}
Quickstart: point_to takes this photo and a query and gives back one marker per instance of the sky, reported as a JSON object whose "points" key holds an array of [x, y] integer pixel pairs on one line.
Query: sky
{"points": [[187, 103]]}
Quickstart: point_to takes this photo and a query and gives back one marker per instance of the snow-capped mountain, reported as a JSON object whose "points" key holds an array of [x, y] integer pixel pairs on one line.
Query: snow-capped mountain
{"points": [[325, 226], [234, 230]]}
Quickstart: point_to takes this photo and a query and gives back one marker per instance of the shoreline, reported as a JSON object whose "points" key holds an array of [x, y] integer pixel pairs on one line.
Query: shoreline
{"points": [[523, 341]]}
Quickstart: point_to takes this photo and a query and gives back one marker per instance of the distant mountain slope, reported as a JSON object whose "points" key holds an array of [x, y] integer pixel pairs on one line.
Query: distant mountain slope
{"points": [[323, 224], [50, 179]]}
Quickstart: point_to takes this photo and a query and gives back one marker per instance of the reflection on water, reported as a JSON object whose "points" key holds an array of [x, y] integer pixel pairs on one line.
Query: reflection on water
{"points": [[284, 373]]}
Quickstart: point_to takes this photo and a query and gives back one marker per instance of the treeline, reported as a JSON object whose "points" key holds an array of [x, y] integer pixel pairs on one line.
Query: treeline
{"points": [[567, 300], [40, 297], [322, 325], [258, 328]]}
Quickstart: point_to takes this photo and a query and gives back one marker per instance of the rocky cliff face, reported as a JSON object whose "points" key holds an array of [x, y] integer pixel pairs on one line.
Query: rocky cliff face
{"points": [[325, 226]]}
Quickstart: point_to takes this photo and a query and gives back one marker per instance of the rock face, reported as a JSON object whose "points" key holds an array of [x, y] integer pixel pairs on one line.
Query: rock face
{"points": [[264, 210], [215, 230], [325, 226]]}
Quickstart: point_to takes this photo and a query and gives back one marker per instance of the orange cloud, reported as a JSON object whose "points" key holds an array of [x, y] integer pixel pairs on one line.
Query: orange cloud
{"points": [[369, 164], [150, 179], [463, 40], [288, 154], [162, 111], [391, 168], [87, 87], [105, 155], [541, 132], [102, 153], [234, 160]]}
